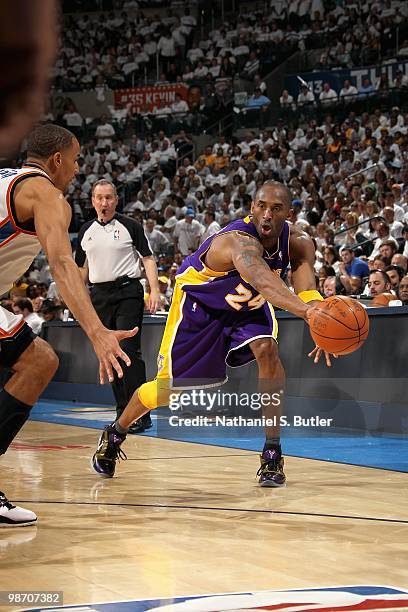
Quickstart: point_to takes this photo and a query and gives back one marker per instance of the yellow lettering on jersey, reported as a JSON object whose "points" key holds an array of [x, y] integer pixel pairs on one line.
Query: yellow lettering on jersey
{"points": [[244, 295], [256, 302]]}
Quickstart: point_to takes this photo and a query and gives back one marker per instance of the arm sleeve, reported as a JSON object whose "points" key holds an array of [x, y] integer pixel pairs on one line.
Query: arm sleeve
{"points": [[140, 242]]}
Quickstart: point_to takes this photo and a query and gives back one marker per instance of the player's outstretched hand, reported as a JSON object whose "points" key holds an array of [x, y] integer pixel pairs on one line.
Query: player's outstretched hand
{"points": [[318, 352], [108, 351]]}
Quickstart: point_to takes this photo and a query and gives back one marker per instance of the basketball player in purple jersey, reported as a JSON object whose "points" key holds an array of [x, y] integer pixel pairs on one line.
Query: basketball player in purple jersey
{"points": [[33, 215], [222, 314]]}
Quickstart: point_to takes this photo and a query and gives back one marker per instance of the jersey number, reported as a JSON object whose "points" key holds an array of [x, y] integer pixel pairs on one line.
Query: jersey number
{"points": [[243, 296]]}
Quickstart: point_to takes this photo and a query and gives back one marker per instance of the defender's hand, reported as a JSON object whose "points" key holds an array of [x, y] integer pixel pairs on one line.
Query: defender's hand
{"points": [[108, 351]]}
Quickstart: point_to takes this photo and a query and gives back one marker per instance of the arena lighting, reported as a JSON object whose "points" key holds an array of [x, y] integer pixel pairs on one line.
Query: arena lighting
{"points": [[366, 169], [302, 82]]}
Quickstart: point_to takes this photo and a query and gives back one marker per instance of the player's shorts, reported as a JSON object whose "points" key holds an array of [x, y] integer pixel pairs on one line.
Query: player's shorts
{"points": [[199, 342], [15, 337]]}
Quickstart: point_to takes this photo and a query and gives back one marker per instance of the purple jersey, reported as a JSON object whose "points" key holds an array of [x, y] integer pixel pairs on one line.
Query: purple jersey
{"points": [[228, 290]]}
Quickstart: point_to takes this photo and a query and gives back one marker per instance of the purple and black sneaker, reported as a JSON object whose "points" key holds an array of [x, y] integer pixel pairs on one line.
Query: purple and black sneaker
{"points": [[271, 472], [108, 452]]}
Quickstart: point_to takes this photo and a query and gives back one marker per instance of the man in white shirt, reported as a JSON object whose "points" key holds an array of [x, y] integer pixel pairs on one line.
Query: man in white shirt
{"points": [[348, 92], [306, 97], [24, 307], [328, 97], [216, 177], [170, 220], [286, 101], [157, 240], [179, 108], [104, 133], [194, 54], [187, 233], [72, 118], [212, 227]]}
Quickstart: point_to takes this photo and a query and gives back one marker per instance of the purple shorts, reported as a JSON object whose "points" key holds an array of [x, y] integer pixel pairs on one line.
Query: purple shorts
{"points": [[200, 342]]}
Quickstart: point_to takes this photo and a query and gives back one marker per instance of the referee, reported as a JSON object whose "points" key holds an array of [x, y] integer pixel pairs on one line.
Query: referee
{"points": [[110, 250]]}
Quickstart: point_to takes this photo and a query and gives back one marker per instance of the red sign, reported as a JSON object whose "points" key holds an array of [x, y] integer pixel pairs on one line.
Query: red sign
{"points": [[149, 98]]}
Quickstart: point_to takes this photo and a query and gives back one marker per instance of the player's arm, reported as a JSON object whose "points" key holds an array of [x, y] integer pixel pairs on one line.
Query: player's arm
{"points": [[246, 253], [52, 215], [302, 259]]}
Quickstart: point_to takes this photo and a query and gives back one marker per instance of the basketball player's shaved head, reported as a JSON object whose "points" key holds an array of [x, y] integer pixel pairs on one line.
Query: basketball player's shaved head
{"points": [[274, 185], [47, 139]]}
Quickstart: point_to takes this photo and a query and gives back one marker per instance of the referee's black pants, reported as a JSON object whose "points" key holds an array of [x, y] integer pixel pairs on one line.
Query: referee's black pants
{"points": [[120, 305]]}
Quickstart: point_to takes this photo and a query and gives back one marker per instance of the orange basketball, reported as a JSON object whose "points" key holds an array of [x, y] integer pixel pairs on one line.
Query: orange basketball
{"points": [[339, 325]]}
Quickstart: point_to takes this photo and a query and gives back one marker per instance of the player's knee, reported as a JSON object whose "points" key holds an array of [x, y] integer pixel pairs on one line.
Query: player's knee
{"points": [[154, 393], [266, 350], [47, 360], [267, 354]]}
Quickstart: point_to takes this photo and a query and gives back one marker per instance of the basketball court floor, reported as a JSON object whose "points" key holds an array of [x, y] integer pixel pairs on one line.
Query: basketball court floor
{"points": [[184, 526]]}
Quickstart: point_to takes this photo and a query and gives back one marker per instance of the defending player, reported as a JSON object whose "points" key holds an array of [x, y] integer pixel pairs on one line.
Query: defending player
{"points": [[222, 313], [33, 215]]}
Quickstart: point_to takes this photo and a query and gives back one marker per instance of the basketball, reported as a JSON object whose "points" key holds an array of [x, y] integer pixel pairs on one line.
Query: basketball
{"points": [[339, 325]]}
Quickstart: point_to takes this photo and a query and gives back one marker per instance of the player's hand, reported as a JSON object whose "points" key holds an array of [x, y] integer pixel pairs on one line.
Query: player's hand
{"points": [[318, 352], [154, 301], [108, 351]]}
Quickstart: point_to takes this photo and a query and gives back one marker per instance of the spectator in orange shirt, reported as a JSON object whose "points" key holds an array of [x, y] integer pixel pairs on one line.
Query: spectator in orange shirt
{"points": [[220, 160], [207, 157]]}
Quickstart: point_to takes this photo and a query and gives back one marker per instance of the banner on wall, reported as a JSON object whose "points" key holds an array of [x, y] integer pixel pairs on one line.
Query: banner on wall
{"points": [[336, 78], [149, 98]]}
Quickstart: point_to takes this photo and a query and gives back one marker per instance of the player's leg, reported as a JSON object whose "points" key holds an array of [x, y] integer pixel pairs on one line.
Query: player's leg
{"points": [[32, 363], [192, 349], [271, 382], [254, 335]]}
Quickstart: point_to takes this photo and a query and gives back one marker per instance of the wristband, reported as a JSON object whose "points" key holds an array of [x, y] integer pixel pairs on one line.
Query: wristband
{"points": [[310, 296]]}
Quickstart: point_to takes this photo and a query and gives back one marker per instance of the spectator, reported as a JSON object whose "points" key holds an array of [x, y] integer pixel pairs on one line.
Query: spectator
{"points": [[306, 97], [378, 282], [403, 290], [366, 89], [329, 286], [401, 261], [187, 233], [258, 100], [286, 101], [212, 227], [352, 265], [157, 240], [25, 308], [348, 93], [51, 311], [104, 133], [395, 274], [328, 97]]}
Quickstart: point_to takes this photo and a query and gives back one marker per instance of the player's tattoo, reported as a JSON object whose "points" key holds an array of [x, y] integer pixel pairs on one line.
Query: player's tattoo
{"points": [[250, 254]]}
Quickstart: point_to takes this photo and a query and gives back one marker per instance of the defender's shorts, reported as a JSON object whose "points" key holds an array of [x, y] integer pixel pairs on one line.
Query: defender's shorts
{"points": [[199, 342], [15, 337]]}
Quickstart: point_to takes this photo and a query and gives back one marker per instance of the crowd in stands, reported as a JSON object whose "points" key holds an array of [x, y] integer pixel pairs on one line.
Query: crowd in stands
{"points": [[118, 49], [359, 223]]}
